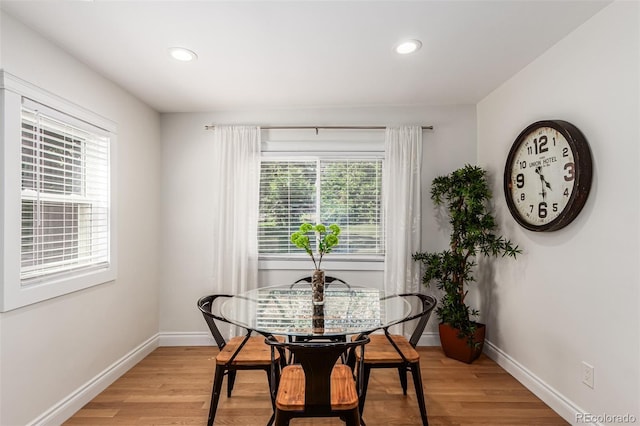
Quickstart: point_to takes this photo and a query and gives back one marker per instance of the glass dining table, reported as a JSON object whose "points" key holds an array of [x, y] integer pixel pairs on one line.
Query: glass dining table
{"points": [[289, 310]]}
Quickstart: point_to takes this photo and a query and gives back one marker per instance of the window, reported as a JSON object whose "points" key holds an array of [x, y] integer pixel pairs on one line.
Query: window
{"points": [[64, 196], [346, 191], [58, 224]]}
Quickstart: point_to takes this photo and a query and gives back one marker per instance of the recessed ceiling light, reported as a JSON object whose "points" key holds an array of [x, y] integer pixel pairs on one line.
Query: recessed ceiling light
{"points": [[408, 46], [182, 54]]}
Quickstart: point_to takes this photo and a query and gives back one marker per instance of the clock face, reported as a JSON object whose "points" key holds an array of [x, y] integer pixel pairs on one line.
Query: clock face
{"points": [[545, 175]]}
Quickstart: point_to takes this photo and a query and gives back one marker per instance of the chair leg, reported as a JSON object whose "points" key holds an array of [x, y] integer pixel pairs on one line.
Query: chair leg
{"points": [[402, 373], [271, 394], [351, 359], [352, 417], [283, 358], [417, 382], [282, 418], [231, 380], [365, 384], [215, 392]]}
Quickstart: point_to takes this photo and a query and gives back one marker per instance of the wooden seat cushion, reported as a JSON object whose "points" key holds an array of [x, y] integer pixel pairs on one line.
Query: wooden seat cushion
{"points": [[291, 389], [254, 352], [380, 351]]}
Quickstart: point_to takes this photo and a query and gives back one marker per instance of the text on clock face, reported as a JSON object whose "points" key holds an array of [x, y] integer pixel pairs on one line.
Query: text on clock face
{"points": [[543, 162]]}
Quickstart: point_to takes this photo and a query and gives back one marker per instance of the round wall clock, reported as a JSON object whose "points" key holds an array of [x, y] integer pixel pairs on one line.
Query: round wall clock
{"points": [[548, 175]]}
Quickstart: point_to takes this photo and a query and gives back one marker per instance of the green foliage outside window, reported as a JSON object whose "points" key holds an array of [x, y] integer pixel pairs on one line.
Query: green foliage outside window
{"points": [[346, 192]]}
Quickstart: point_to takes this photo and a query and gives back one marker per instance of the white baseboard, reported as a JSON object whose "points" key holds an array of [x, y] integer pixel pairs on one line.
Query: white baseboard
{"points": [[192, 338], [429, 339], [67, 407], [554, 399]]}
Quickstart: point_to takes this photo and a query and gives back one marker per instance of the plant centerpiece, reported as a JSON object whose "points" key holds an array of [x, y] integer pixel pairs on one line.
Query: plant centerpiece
{"points": [[465, 195], [326, 238]]}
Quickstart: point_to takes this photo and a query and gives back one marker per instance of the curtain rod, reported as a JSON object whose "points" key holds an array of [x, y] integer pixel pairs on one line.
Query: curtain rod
{"points": [[316, 128]]}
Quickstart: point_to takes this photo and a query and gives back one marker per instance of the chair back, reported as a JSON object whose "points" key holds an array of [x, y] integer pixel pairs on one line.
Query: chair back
{"points": [[328, 280], [206, 306], [317, 360], [427, 303]]}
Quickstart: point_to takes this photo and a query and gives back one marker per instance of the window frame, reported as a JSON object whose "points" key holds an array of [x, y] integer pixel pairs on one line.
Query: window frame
{"points": [[14, 294], [326, 150]]}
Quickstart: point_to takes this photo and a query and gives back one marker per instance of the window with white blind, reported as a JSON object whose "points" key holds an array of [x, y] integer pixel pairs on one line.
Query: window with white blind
{"points": [[58, 222], [64, 195], [321, 189]]}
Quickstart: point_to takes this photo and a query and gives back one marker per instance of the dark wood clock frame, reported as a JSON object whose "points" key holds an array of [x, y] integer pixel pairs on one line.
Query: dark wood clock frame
{"points": [[583, 174]]}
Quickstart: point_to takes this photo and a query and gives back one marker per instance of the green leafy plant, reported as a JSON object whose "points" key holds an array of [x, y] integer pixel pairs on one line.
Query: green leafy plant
{"points": [[326, 238], [465, 195]]}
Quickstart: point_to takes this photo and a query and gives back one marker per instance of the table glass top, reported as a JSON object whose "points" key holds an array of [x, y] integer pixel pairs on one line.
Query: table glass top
{"points": [[290, 311]]}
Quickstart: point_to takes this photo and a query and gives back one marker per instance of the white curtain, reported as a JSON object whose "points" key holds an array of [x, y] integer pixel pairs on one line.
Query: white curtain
{"points": [[402, 199], [236, 173]]}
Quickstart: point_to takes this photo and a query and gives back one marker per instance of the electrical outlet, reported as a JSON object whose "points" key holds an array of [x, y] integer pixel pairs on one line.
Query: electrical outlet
{"points": [[587, 374]]}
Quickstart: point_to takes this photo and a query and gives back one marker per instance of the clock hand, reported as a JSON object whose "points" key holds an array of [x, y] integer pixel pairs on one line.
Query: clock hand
{"points": [[542, 179], [543, 182]]}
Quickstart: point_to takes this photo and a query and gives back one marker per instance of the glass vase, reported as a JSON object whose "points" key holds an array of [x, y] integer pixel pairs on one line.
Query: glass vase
{"points": [[317, 286], [318, 319]]}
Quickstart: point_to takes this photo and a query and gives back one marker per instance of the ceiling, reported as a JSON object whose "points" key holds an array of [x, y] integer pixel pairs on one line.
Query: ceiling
{"points": [[275, 54]]}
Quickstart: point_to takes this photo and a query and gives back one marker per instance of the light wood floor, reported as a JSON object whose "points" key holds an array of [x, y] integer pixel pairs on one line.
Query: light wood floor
{"points": [[172, 386]]}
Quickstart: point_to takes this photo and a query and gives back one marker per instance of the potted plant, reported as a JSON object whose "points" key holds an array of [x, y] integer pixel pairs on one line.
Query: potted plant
{"points": [[465, 195], [326, 238]]}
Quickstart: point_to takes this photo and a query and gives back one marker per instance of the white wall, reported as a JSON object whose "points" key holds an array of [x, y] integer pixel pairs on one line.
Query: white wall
{"points": [[573, 296], [50, 349], [186, 183]]}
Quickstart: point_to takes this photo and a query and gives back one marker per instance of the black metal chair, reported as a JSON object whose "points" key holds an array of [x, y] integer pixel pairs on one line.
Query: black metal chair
{"points": [[395, 351], [239, 353], [318, 386], [328, 280]]}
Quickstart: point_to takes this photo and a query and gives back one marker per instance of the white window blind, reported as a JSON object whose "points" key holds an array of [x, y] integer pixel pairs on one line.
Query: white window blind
{"points": [[345, 191], [65, 194]]}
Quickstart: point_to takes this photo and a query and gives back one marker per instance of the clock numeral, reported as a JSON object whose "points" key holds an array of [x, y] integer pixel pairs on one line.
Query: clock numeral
{"points": [[539, 146], [530, 208], [542, 210], [565, 152], [543, 144], [523, 164], [554, 141], [570, 168], [566, 192], [555, 207], [522, 196], [520, 180]]}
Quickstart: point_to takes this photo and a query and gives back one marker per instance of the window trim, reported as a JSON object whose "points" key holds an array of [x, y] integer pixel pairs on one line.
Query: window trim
{"points": [[310, 150], [13, 294]]}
